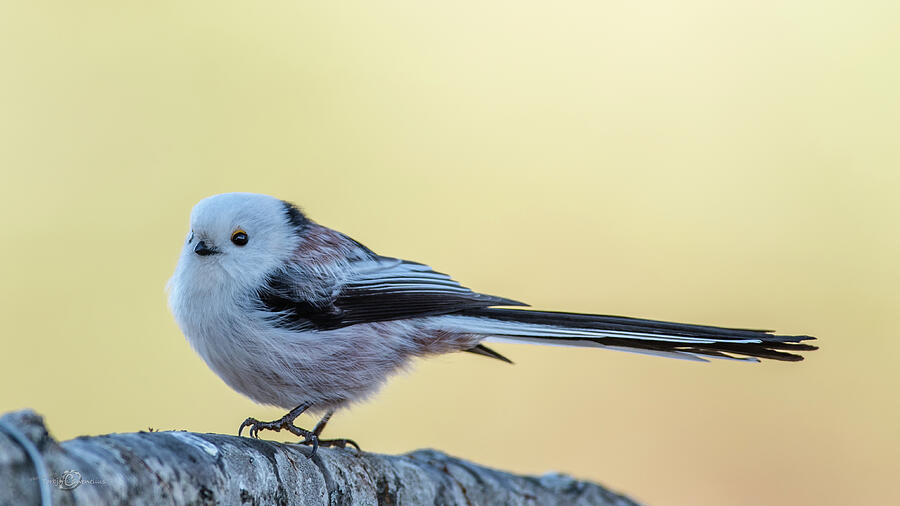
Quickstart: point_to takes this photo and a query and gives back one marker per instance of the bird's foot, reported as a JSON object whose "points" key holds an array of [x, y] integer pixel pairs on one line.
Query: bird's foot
{"points": [[278, 425], [331, 443], [328, 443], [286, 422], [310, 437], [255, 426]]}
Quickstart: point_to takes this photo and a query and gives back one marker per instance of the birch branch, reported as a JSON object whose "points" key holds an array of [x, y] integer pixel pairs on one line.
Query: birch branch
{"points": [[189, 468]]}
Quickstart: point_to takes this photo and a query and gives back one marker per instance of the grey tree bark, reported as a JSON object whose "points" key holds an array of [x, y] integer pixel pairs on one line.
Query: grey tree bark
{"points": [[189, 468]]}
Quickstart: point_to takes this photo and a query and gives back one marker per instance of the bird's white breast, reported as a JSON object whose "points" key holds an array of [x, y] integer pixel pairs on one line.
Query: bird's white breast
{"points": [[280, 366]]}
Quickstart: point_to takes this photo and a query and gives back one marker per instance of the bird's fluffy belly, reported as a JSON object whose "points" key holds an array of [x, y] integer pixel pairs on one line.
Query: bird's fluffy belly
{"points": [[329, 368]]}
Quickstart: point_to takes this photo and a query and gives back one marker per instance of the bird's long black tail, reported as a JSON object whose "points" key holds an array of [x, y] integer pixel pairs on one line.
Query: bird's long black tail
{"points": [[677, 340]]}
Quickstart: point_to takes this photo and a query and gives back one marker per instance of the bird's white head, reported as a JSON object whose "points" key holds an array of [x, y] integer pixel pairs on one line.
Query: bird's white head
{"points": [[235, 241]]}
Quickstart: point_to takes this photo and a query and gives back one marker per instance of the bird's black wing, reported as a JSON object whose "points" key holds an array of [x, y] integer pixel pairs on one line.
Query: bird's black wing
{"points": [[382, 289], [376, 289]]}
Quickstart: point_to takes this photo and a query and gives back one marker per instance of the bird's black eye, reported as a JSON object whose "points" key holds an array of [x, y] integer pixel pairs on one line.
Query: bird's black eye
{"points": [[239, 237]]}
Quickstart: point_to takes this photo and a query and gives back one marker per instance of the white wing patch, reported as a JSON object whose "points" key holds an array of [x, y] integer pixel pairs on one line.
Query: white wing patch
{"points": [[384, 274], [392, 273]]}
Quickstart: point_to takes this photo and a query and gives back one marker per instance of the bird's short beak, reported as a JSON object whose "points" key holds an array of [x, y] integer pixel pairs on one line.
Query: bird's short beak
{"points": [[202, 249]]}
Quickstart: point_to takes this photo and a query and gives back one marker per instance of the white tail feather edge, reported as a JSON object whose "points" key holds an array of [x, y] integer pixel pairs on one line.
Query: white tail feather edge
{"points": [[516, 332]]}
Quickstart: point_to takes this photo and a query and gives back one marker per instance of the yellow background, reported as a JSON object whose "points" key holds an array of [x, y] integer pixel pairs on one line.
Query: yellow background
{"points": [[712, 162]]}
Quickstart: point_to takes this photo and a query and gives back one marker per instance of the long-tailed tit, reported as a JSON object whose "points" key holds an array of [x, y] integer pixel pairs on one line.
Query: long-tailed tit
{"points": [[296, 315]]}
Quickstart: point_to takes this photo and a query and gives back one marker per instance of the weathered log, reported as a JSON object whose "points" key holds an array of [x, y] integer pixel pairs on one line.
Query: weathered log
{"points": [[188, 468]]}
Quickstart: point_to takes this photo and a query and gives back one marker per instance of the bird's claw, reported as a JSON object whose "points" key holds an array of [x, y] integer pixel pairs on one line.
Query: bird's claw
{"points": [[333, 443], [247, 423], [286, 422], [314, 441], [309, 438], [255, 426], [327, 443]]}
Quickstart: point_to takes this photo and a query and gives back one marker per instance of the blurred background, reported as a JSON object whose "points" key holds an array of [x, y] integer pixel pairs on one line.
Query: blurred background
{"points": [[722, 163]]}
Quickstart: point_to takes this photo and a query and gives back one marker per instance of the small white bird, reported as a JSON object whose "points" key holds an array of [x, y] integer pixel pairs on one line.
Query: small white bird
{"points": [[294, 314]]}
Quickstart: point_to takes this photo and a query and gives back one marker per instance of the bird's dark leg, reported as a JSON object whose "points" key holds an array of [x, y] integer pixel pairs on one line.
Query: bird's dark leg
{"points": [[317, 430], [286, 422], [327, 443]]}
